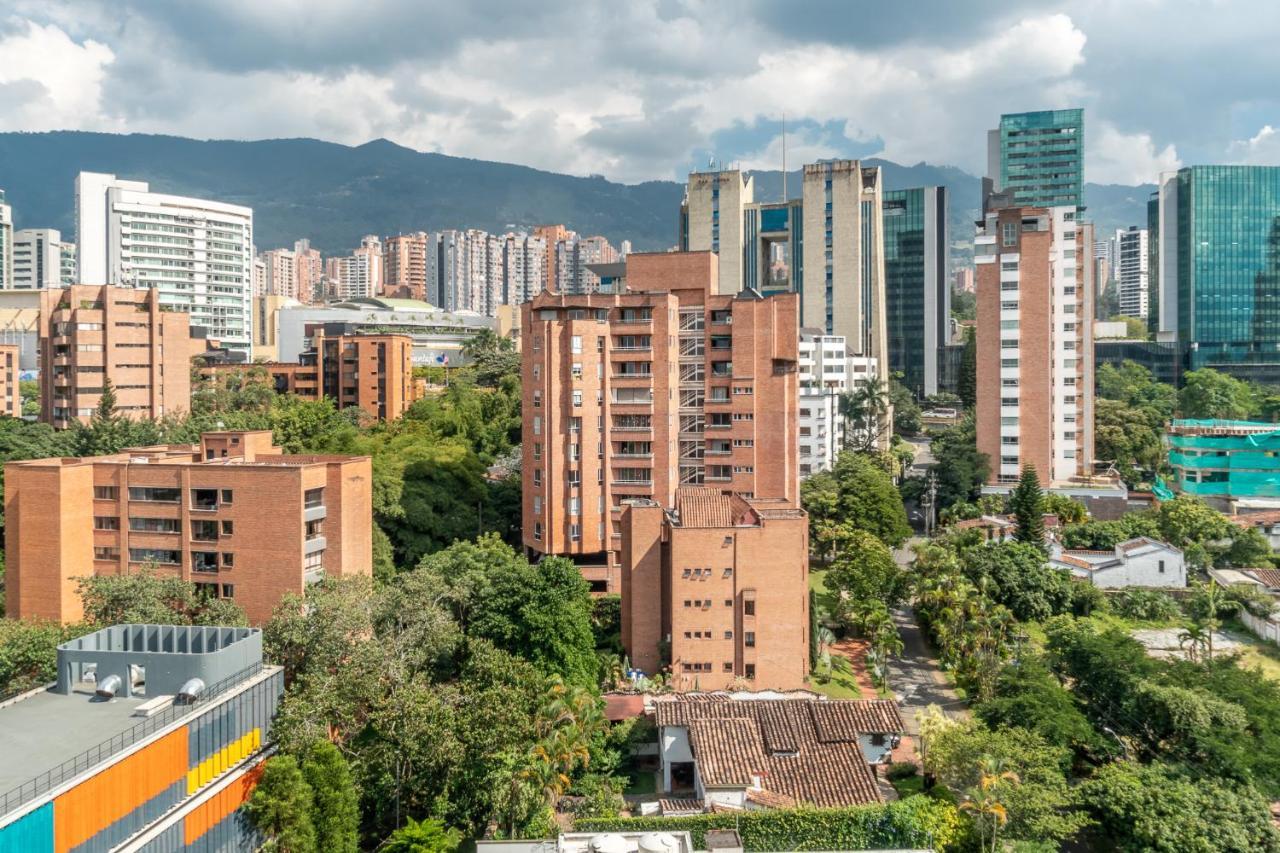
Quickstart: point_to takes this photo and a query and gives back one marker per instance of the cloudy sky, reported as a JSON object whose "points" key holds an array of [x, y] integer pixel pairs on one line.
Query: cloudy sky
{"points": [[648, 88]]}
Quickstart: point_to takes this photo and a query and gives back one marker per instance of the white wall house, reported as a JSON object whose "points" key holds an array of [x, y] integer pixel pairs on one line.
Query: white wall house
{"points": [[1140, 562]]}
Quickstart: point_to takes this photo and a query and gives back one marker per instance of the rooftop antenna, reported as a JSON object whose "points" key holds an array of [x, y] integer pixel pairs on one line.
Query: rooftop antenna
{"points": [[784, 158]]}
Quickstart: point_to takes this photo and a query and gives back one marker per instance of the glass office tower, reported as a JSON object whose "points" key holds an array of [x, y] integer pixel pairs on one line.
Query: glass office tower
{"points": [[1219, 267], [917, 284], [1039, 158]]}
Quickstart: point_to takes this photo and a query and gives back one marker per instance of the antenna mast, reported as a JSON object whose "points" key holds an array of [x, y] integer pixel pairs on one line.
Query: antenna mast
{"points": [[784, 158]]}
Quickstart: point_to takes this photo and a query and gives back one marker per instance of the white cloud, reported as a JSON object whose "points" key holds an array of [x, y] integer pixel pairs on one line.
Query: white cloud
{"points": [[60, 79], [1115, 157], [1262, 149]]}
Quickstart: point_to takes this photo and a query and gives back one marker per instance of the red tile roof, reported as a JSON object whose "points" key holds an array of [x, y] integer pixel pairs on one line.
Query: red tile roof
{"points": [[679, 807], [803, 749], [1270, 578], [702, 507], [622, 706], [1253, 519]]}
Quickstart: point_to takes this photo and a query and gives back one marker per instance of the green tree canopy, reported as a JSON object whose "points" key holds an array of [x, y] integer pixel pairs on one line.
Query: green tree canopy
{"points": [[281, 807], [1026, 503], [149, 597], [1017, 575], [335, 809], [1207, 393], [857, 492]]}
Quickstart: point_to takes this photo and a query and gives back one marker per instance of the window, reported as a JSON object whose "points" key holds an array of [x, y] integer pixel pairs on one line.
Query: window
{"points": [[204, 561], [229, 560], [155, 495], [106, 493], [575, 424], [537, 504], [576, 370], [575, 532], [537, 531], [1008, 362], [155, 555], [749, 607], [228, 590], [728, 635], [204, 499], [227, 528], [1009, 343], [1009, 234], [107, 552], [728, 667], [537, 424], [575, 344], [315, 529], [749, 639], [1162, 567], [575, 506], [1008, 439], [311, 499], [201, 531], [537, 476], [155, 525], [106, 522], [750, 670], [577, 398], [537, 399], [226, 496]]}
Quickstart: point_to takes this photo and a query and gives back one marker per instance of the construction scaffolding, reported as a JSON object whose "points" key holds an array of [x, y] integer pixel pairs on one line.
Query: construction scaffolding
{"points": [[1225, 459]]}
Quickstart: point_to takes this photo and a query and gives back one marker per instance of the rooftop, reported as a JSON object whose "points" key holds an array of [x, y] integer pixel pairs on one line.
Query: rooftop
{"points": [[55, 733], [797, 748]]}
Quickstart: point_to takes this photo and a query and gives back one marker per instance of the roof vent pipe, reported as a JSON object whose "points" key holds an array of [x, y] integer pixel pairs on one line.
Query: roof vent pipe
{"points": [[109, 687], [191, 690]]}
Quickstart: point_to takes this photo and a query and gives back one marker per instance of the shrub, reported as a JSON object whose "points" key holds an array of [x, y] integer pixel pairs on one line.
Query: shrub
{"points": [[900, 770], [1146, 605], [922, 822]]}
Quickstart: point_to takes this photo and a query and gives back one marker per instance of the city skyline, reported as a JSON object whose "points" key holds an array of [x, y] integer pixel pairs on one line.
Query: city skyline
{"points": [[684, 83]]}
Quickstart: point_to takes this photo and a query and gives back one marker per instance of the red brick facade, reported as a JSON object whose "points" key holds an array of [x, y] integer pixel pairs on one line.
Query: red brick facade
{"points": [[232, 513]]}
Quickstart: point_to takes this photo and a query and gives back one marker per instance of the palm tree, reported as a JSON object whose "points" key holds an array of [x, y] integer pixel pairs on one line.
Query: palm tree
{"points": [[865, 411], [984, 802], [1193, 640]]}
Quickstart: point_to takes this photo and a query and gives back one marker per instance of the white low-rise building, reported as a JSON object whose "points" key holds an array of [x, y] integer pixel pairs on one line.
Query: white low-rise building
{"points": [[1140, 562]]}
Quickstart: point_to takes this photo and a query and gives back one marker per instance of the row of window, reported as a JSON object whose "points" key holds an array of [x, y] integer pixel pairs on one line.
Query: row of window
{"points": [[749, 670], [704, 573]]}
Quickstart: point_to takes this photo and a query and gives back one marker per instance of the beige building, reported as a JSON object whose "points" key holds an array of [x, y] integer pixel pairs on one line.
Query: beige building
{"points": [[280, 275], [10, 392], [266, 325], [716, 590], [93, 333], [310, 272], [404, 266], [633, 394], [232, 514], [1035, 343]]}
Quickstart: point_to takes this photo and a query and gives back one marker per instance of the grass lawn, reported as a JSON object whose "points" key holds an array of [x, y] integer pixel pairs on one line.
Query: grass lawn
{"points": [[826, 601], [909, 787], [641, 782], [842, 684]]}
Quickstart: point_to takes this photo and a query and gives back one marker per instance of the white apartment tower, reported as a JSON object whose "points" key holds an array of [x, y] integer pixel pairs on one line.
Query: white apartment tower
{"points": [[524, 267], [1131, 271], [197, 254], [280, 274], [39, 259], [827, 371], [6, 244]]}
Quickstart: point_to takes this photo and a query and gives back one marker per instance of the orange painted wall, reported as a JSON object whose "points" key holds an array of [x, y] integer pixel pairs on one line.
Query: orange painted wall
{"points": [[101, 800], [207, 815]]}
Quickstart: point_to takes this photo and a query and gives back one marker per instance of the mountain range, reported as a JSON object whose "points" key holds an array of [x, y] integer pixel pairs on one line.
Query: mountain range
{"points": [[334, 194]]}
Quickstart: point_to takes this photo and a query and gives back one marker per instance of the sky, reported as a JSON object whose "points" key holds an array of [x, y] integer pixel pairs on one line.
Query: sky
{"points": [[648, 89]]}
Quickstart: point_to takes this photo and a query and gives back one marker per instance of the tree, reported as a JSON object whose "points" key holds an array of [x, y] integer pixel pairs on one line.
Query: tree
{"points": [[863, 572], [336, 804], [1158, 807], [1135, 328], [868, 499], [428, 836], [866, 414], [1030, 697], [959, 467], [281, 806], [1249, 548], [150, 598], [967, 385], [983, 802], [29, 652], [1106, 535], [1067, 510], [1025, 502], [1017, 575], [1038, 806], [1207, 393], [1187, 519], [906, 411]]}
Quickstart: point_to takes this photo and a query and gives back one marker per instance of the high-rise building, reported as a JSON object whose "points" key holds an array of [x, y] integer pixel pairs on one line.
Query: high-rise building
{"points": [[102, 760], [310, 272], [10, 388], [524, 268], [633, 394], [714, 587], [574, 258], [1038, 158], [551, 235], [827, 246], [280, 273], [67, 262], [197, 254], [38, 259], [232, 512], [1215, 277], [1035, 343], [827, 371], [1131, 271], [6, 244], [405, 266], [359, 275], [917, 277], [93, 333]]}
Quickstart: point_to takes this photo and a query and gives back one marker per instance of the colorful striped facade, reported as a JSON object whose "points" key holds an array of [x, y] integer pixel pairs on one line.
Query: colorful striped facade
{"points": [[178, 790]]}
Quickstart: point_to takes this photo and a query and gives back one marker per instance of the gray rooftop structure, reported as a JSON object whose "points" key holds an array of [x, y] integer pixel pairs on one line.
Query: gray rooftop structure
{"points": [[168, 655]]}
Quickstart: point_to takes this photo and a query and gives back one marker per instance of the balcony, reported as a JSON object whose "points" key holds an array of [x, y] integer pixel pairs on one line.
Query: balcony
{"points": [[633, 484], [314, 513], [313, 545]]}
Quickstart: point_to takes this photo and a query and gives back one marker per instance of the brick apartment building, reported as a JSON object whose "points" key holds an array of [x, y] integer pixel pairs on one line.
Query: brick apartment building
{"points": [[91, 333], [1034, 342], [10, 393], [232, 514], [634, 393], [370, 372], [717, 588]]}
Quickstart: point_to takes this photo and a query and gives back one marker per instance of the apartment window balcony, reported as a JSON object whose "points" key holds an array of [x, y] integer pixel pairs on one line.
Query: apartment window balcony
{"points": [[630, 316], [724, 343], [630, 397]]}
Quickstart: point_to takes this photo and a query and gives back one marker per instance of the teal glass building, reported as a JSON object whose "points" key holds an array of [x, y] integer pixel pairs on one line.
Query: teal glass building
{"points": [[917, 284], [1038, 158], [1219, 267]]}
